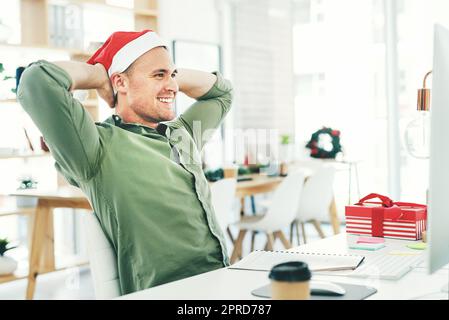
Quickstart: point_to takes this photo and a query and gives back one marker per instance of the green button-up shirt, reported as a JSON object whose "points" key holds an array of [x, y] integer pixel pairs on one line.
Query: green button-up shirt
{"points": [[146, 186]]}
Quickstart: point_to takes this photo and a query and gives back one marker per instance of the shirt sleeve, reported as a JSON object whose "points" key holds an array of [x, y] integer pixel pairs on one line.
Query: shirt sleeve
{"points": [[204, 116], [66, 126]]}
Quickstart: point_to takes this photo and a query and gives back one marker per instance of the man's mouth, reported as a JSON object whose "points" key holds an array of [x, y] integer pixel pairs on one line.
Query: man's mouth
{"points": [[166, 99]]}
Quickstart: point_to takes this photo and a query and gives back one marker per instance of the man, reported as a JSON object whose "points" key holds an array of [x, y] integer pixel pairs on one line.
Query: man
{"points": [[146, 187]]}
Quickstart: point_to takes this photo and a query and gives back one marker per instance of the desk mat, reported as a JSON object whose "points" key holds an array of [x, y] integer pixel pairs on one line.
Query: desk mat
{"points": [[353, 292]]}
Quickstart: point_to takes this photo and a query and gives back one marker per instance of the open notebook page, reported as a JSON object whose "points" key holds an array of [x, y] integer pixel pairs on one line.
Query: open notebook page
{"points": [[265, 260]]}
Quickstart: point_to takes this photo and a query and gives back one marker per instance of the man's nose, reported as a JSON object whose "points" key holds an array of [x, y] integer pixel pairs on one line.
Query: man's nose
{"points": [[172, 85]]}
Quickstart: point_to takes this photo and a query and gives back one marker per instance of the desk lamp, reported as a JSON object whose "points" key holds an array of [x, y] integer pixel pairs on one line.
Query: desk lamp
{"points": [[417, 133]]}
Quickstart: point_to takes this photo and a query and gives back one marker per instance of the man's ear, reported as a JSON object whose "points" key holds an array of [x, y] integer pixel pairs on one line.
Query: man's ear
{"points": [[119, 82]]}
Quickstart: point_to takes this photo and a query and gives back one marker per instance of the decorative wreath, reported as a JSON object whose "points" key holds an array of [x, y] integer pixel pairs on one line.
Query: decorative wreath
{"points": [[324, 143]]}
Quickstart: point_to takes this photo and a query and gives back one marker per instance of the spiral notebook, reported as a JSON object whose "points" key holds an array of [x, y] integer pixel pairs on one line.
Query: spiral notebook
{"points": [[260, 260]]}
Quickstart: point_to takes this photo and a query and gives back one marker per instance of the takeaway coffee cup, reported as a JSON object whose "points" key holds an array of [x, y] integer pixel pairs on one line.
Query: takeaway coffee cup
{"points": [[290, 281]]}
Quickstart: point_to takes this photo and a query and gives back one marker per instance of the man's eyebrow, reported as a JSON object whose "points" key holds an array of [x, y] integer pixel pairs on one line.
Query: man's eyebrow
{"points": [[164, 71]]}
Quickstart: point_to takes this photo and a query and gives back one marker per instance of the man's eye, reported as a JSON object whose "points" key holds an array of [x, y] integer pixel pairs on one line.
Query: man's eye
{"points": [[159, 75], [173, 75]]}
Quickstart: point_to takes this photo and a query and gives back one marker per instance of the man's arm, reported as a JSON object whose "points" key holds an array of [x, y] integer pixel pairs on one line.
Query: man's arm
{"points": [[44, 93], [214, 96], [86, 76], [195, 83]]}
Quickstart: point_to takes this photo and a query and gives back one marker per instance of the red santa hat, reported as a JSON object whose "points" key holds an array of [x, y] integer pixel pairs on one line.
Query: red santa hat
{"points": [[121, 49]]}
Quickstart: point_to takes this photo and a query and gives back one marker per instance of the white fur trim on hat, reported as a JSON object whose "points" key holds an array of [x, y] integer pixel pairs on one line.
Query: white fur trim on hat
{"points": [[133, 50]]}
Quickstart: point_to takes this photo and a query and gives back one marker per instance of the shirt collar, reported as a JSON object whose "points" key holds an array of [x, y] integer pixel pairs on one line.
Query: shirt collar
{"points": [[161, 129]]}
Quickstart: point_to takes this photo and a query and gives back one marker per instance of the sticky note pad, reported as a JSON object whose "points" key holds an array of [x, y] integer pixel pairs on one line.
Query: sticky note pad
{"points": [[370, 240], [417, 246], [367, 246]]}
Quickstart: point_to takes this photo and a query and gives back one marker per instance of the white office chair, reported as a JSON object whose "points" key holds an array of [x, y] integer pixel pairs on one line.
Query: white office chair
{"points": [[102, 259], [280, 214], [315, 201], [223, 199]]}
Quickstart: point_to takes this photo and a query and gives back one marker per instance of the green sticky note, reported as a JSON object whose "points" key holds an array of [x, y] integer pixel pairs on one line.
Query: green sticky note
{"points": [[367, 246], [417, 246]]}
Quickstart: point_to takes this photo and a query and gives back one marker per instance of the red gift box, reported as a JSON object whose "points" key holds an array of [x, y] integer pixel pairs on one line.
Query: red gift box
{"points": [[399, 220]]}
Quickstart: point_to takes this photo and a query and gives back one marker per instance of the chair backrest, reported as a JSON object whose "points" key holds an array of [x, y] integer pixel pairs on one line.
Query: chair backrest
{"points": [[284, 205], [102, 259], [223, 197], [317, 195]]}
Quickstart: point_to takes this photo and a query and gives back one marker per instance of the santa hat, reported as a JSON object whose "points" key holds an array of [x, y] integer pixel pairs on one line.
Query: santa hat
{"points": [[121, 49]]}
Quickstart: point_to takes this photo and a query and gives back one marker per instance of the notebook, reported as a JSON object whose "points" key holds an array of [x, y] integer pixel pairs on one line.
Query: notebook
{"points": [[260, 260]]}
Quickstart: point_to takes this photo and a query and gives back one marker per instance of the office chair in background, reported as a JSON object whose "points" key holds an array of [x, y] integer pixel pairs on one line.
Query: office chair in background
{"points": [[280, 214], [315, 201]]}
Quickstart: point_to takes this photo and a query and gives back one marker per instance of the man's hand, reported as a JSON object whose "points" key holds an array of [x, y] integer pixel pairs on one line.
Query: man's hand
{"points": [[195, 83], [105, 91]]}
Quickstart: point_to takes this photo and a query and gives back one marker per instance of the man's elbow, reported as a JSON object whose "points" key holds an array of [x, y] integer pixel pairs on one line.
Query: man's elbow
{"points": [[30, 80], [228, 100], [228, 97]]}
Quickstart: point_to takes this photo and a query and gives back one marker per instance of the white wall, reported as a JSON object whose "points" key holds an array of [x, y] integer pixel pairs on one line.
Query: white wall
{"points": [[189, 20]]}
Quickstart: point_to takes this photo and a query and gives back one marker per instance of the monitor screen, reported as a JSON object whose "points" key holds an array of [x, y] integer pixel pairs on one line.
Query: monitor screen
{"points": [[438, 210]]}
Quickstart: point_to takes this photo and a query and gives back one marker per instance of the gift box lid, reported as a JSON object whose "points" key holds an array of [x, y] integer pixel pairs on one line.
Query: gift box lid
{"points": [[403, 211]]}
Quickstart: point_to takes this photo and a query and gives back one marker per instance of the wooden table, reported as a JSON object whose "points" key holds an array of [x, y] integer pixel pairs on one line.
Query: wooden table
{"points": [[259, 184], [42, 257]]}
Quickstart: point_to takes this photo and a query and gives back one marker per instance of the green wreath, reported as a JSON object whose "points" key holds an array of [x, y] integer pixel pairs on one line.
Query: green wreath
{"points": [[324, 149]]}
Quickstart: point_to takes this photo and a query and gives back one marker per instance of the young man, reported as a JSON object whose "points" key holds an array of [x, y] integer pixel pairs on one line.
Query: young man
{"points": [[147, 189]]}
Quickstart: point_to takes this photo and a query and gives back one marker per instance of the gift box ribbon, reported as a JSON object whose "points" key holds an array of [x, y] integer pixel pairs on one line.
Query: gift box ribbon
{"points": [[389, 209]]}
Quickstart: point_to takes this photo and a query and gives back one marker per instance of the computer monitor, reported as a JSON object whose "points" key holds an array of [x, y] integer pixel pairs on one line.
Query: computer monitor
{"points": [[438, 209]]}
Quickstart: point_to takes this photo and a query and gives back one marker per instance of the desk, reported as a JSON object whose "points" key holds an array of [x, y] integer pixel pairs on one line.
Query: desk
{"points": [[259, 184], [229, 284], [41, 256]]}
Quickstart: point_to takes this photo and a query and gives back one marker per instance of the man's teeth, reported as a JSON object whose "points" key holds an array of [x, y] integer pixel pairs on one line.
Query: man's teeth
{"points": [[166, 100]]}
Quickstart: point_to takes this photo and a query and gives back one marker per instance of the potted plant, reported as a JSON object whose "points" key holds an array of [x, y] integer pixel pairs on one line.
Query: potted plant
{"points": [[7, 264], [26, 182]]}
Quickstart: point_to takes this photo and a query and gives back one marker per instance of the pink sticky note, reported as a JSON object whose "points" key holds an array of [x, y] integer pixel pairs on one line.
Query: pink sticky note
{"points": [[370, 240]]}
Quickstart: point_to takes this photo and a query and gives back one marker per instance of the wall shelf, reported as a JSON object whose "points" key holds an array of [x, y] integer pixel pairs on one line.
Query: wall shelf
{"points": [[8, 101], [146, 12], [70, 51], [25, 155]]}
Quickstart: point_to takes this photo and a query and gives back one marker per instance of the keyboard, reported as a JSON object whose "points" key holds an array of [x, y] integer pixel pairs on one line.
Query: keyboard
{"points": [[386, 266]]}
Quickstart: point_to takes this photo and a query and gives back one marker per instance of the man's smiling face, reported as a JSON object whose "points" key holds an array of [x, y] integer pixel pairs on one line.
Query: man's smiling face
{"points": [[151, 87]]}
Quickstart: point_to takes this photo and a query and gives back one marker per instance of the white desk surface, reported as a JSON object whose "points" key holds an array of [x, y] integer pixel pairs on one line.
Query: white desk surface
{"points": [[231, 284]]}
